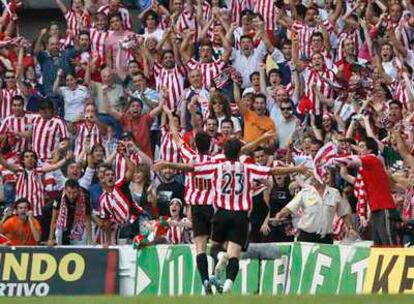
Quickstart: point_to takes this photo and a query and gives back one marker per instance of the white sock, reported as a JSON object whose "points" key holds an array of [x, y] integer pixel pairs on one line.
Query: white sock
{"points": [[222, 255], [228, 284]]}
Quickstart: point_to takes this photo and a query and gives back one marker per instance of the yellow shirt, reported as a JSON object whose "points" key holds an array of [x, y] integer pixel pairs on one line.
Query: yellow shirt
{"points": [[255, 125]]}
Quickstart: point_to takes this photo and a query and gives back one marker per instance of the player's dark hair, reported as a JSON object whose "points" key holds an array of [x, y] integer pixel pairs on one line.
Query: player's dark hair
{"points": [[19, 98], [24, 153], [202, 141], [396, 102], [232, 148], [72, 183], [371, 145], [153, 14], [46, 104], [255, 73], [20, 201], [227, 120]]}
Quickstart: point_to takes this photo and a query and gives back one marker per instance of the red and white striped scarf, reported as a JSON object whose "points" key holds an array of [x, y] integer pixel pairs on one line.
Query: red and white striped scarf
{"points": [[79, 220], [408, 206], [360, 193]]}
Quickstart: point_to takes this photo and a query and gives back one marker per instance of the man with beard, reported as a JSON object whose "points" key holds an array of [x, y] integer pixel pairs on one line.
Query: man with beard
{"points": [[71, 219]]}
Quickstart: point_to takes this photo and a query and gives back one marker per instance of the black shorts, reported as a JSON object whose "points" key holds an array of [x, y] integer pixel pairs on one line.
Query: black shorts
{"points": [[232, 226], [201, 218]]}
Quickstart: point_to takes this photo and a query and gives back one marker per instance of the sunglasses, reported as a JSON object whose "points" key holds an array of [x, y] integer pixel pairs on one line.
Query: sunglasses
{"points": [[9, 77], [286, 109]]}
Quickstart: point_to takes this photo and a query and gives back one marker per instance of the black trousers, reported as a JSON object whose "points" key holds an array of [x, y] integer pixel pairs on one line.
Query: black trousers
{"points": [[384, 227], [314, 238]]}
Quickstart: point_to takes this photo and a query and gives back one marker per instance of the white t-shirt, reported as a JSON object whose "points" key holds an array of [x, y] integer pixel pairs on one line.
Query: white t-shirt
{"points": [[74, 101]]}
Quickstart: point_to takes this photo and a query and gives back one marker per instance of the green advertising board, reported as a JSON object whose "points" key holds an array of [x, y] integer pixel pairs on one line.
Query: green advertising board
{"points": [[327, 269], [172, 270], [300, 268]]}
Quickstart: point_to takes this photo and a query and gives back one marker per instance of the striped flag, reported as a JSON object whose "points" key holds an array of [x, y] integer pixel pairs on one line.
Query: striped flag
{"points": [[325, 153]]}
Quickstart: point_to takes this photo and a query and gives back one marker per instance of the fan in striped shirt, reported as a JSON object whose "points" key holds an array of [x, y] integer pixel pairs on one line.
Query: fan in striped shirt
{"points": [[17, 126], [30, 178], [232, 183], [115, 206]]}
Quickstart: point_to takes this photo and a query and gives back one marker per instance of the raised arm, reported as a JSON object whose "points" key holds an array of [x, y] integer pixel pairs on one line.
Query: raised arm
{"points": [[38, 45], [157, 110], [56, 84], [297, 63], [238, 98], [253, 145], [62, 6], [185, 49], [177, 166], [289, 170], [333, 17], [402, 148], [52, 167]]}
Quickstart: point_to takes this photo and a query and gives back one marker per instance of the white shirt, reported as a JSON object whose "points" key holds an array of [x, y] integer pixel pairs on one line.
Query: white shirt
{"points": [[318, 212], [74, 101], [247, 65], [285, 129], [390, 69], [157, 34]]}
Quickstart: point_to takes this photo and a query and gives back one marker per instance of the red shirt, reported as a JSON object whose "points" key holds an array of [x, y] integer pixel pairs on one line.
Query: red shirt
{"points": [[376, 184], [141, 130], [347, 68]]}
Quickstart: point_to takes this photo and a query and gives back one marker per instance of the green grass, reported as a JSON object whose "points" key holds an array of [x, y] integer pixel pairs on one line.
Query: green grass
{"points": [[377, 299]]}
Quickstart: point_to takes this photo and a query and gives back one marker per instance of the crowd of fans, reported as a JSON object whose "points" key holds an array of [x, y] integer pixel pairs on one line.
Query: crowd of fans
{"points": [[87, 109]]}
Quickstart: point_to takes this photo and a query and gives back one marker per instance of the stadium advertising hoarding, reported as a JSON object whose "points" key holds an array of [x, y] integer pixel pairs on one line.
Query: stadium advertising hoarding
{"points": [[172, 270], [327, 269], [390, 270], [301, 268], [32, 271]]}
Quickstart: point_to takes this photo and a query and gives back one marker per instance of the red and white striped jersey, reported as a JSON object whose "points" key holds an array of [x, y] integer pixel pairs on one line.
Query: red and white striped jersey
{"points": [[177, 234], [77, 23], [12, 125], [126, 18], [187, 20], [323, 80], [168, 147], [198, 191], [47, 134], [353, 35], [101, 238], [400, 92], [84, 132], [173, 79], [305, 32], [209, 70], [98, 39], [121, 165], [408, 205], [269, 11], [6, 96], [237, 6], [233, 182], [115, 205], [30, 185]]}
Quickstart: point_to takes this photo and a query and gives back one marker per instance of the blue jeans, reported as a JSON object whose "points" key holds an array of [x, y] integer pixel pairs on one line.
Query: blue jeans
{"points": [[9, 193], [110, 121]]}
